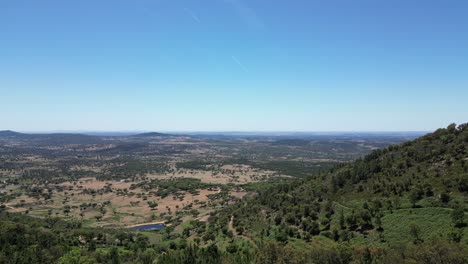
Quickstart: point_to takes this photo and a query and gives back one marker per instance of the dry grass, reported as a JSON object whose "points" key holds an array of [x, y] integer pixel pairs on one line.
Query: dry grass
{"points": [[237, 174], [122, 210]]}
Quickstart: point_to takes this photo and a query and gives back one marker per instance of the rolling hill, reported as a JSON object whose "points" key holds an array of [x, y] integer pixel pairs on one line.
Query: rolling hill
{"points": [[9, 133], [152, 134]]}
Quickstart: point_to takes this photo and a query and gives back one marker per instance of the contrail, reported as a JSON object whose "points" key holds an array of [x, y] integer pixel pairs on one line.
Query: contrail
{"points": [[239, 63], [192, 14], [246, 14]]}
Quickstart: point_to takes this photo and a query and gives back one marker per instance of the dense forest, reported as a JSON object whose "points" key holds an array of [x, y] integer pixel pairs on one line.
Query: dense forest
{"points": [[401, 204]]}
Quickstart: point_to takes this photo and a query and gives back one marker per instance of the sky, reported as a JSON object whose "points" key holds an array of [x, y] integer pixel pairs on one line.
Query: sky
{"points": [[233, 65]]}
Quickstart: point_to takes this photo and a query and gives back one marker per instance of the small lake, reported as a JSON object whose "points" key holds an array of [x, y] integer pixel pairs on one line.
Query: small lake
{"points": [[148, 227]]}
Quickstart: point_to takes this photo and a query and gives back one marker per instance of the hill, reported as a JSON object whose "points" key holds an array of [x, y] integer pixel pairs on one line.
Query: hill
{"points": [[9, 133], [34, 139], [152, 134]]}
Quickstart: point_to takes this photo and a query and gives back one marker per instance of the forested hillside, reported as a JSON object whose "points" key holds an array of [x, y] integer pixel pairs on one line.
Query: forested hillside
{"points": [[413, 194]]}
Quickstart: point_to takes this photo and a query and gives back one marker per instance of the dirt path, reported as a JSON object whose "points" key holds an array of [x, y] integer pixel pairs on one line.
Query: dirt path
{"points": [[231, 226], [234, 232], [340, 205], [149, 223], [11, 207]]}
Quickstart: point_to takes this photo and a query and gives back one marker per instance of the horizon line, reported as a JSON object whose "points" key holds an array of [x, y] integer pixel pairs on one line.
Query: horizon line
{"points": [[217, 131]]}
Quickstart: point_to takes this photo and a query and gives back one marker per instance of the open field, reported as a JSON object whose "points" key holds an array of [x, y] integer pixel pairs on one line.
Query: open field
{"points": [[120, 203], [122, 181]]}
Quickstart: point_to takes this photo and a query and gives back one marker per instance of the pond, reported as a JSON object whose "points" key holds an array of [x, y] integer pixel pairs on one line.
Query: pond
{"points": [[148, 227]]}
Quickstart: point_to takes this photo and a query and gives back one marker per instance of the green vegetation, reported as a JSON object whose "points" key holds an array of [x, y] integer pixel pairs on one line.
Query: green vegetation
{"points": [[295, 168], [404, 203], [175, 187], [194, 165], [401, 196]]}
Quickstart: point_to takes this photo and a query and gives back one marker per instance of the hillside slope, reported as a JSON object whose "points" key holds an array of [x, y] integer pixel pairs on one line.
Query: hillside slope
{"points": [[409, 194], [9, 133]]}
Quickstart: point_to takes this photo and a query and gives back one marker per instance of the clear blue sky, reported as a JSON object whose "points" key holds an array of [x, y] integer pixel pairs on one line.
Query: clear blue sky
{"points": [[237, 65]]}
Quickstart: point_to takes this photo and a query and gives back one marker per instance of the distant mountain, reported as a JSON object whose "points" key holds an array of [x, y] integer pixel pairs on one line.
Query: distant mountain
{"points": [[109, 133], [9, 133], [66, 138], [53, 138], [152, 134]]}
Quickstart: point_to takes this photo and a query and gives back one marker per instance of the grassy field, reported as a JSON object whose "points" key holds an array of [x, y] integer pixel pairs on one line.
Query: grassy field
{"points": [[433, 224]]}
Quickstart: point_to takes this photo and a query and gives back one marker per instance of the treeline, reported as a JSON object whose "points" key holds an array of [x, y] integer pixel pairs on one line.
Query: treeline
{"points": [[195, 165], [165, 187], [125, 168], [299, 169], [27, 240]]}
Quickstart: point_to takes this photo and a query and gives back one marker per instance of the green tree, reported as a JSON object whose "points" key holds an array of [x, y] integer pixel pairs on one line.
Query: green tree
{"points": [[458, 216], [414, 198], [74, 257], [378, 223], [342, 220], [152, 204], [415, 232]]}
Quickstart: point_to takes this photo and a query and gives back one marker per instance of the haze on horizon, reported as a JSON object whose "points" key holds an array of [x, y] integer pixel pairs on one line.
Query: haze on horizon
{"points": [[233, 65]]}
